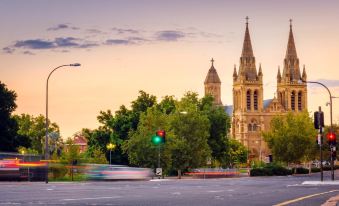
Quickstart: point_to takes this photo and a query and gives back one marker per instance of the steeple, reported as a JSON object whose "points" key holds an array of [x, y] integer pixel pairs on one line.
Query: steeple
{"points": [[291, 52], [212, 75], [291, 71], [247, 50], [247, 69]]}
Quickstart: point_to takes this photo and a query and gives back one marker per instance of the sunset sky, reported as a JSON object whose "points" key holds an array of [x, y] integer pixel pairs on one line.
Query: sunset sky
{"points": [[161, 47]]}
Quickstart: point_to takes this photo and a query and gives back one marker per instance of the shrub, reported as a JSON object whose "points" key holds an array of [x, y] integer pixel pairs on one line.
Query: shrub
{"points": [[58, 171], [301, 170], [270, 170]]}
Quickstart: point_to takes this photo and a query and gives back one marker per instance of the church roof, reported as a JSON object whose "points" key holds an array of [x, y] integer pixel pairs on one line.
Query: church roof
{"points": [[247, 50], [291, 51], [229, 110], [212, 75], [267, 102]]}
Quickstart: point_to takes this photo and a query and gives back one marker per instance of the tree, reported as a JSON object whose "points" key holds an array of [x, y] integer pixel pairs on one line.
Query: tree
{"points": [[191, 128], [35, 129], [9, 138], [141, 151], [291, 137], [235, 153], [219, 127]]}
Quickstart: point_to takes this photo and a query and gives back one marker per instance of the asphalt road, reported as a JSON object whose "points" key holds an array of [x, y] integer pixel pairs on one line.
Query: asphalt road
{"points": [[228, 191]]}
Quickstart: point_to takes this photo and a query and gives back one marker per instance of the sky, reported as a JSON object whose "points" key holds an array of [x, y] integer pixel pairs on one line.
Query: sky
{"points": [[161, 47]]}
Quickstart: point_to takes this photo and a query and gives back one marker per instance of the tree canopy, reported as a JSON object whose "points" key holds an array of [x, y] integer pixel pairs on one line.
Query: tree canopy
{"points": [[291, 137]]}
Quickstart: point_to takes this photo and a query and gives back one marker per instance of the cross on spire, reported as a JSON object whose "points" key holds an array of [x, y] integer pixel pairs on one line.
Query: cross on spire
{"points": [[246, 19], [290, 23], [212, 60]]}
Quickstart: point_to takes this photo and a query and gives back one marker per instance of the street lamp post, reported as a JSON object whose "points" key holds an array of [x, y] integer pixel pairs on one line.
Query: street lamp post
{"points": [[331, 127], [46, 138], [110, 147]]}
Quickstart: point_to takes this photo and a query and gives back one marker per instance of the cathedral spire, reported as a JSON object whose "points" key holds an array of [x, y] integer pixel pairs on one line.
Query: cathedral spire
{"points": [[247, 50], [304, 75], [291, 52], [260, 70]]}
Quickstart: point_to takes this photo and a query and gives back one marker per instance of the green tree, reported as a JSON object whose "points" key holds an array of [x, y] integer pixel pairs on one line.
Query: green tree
{"points": [[291, 137], [191, 128], [34, 128], [219, 127], [9, 138], [141, 151], [236, 153]]}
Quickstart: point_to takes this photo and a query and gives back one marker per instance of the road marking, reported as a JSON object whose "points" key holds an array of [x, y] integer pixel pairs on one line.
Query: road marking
{"points": [[91, 198], [212, 191], [302, 198]]}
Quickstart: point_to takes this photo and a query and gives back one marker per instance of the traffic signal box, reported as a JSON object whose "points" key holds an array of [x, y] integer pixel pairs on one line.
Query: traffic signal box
{"points": [[159, 137], [318, 120]]}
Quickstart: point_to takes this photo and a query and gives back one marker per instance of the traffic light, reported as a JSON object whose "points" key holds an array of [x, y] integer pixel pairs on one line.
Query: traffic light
{"points": [[331, 138], [159, 137], [318, 120]]}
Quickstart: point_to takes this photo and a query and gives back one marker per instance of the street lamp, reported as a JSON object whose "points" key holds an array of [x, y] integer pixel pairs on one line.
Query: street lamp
{"points": [[46, 139], [110, 147], [331, 129]]}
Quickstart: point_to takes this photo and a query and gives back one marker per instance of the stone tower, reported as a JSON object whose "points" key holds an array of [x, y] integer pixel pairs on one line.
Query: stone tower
{"points": [[291, 91], [248, 107], [212, 84]]}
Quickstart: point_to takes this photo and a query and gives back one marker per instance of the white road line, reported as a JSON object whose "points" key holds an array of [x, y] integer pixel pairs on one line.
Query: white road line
{"points": [[91, 198]]}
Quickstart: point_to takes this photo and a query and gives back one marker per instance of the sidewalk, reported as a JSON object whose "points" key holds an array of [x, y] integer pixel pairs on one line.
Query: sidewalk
{"points": [[332, 201]]}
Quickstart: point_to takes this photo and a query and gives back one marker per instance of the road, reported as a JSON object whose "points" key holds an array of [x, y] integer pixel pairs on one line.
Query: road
{"points": [[228, 191]]}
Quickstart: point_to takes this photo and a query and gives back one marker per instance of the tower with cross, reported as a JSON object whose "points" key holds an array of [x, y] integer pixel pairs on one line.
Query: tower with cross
{"points": [[212, 84]]}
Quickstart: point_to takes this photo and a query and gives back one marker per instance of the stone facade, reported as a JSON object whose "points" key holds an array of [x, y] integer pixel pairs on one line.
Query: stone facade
{"points": [[251, 114]]}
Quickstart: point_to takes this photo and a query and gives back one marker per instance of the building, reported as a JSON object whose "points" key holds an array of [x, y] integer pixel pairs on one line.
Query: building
{"points": [[251, 114]]}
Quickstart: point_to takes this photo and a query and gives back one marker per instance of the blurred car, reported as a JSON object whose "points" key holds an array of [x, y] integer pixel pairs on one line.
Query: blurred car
{"points": [[117, 172]]}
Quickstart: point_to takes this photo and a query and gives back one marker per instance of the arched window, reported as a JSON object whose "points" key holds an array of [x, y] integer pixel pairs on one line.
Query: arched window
{"points": [[255, 100], [300, 101], [249, 127], [293, 100], [248, 100]]}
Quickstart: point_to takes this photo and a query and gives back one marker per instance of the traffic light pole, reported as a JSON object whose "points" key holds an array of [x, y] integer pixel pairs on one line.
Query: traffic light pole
{"points": [[320, 145], [331, 129]]}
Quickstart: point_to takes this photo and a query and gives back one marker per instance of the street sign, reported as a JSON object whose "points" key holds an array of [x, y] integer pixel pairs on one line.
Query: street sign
{"points": [[158, 171]]}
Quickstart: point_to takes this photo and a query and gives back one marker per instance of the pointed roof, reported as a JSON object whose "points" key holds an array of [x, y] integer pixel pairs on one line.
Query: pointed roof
{"points": [[279, 74], [235, 72], [212, 75], [260, 70], [247, 50], [291, 51]]}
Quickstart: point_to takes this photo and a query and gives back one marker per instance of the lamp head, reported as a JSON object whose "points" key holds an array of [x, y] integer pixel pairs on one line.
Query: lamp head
{"points": [[75, 65]]}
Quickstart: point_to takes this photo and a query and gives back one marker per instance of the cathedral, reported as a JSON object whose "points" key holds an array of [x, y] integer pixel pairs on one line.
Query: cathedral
{"points": [[250, 113]]}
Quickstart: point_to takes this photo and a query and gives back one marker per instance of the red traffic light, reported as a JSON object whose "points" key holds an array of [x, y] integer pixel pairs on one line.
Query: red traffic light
{"points": [[161, 133], [331, 136]]}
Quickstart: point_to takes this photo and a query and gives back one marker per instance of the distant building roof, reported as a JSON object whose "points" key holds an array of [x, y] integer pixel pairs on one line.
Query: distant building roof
{"points": [[229, 110], [267, 102]]}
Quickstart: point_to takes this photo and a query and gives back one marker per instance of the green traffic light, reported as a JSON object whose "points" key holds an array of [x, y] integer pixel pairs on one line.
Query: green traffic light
{"points": [[156, 140]]}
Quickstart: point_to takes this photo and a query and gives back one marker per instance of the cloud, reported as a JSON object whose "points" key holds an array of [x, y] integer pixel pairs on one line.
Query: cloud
{"points": [[28, 53], [169, 35], [8, 50], [124, 31], [62, 27], [35, 44], [117, 42], [57, 43]]}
